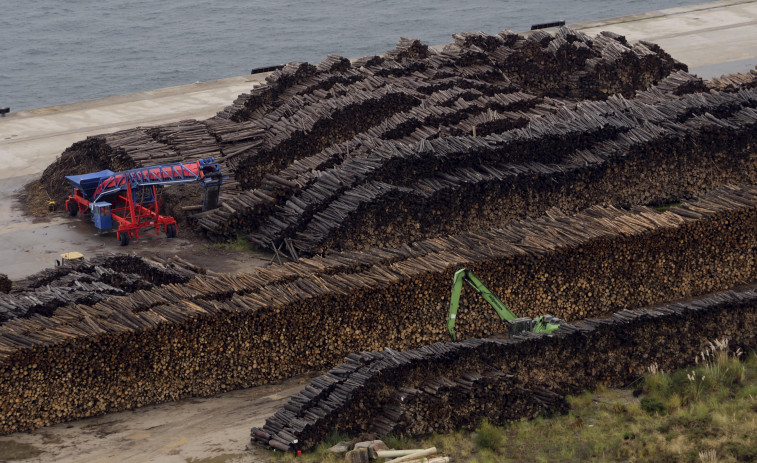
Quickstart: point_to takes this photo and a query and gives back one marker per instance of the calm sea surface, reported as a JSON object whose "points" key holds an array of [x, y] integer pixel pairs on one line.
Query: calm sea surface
{"points": [[62, 51]]}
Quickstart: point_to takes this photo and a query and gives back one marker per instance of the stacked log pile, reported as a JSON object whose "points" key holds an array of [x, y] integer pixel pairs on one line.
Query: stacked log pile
{"points": [[319, 123], [438, 404], [409, 393], [638, 128], [480, 83], [46, 299], [392, 194], [734, 81], [231, 331], [444, 405], [89, 282]]}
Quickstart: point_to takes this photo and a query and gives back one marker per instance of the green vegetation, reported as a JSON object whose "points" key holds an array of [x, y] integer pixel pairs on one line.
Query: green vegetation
{"points": [[666, 206], [240, 244], [705, 413]]}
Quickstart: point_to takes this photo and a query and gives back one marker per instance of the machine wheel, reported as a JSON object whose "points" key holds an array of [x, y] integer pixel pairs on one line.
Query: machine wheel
{"points": [[73, 208], [170, 231], [123, 237]]}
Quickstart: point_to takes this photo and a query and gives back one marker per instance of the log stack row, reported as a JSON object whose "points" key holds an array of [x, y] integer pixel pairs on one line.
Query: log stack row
{"points": [[358, 206], [444, 405], [734, 81], [435, 404], [232, 331], [411, 394], [478, 83], [45, 300], [366, 192]]}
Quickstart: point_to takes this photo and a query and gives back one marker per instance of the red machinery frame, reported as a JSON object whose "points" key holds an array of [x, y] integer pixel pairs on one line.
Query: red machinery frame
{"points": [[131, 215]]}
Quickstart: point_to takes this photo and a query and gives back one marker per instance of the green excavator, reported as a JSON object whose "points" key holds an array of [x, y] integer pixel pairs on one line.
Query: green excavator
{"points": [[541, 324]]}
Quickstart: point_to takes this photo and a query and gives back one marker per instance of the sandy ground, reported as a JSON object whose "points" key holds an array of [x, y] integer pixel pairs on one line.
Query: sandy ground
{"points": [[214, 429]]}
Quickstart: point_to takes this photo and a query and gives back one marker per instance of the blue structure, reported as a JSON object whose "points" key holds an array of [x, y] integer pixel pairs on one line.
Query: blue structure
{"points": [[88, 183], [101, 216], [133, 204]]}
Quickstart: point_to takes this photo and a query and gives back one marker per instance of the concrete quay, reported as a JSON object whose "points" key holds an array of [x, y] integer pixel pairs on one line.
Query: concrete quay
{"points": [[711, 38]]}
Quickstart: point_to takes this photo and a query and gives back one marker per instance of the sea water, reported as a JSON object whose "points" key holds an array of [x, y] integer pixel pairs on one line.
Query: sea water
{"points": [[54, 52]]}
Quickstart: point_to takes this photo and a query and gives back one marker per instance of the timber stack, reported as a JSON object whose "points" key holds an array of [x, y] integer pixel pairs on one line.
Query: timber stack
{"points": [[447, 386], [485, 83], [538, 162], [732, 82], [391, 184], [233, 331]]}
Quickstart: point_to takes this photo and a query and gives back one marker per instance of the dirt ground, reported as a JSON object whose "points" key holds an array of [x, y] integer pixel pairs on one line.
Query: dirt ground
{"points": [[31, 244], [211, 430]]}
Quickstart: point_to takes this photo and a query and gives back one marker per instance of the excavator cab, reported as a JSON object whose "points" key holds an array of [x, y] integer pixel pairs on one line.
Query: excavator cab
{"points": [[520, 325]]}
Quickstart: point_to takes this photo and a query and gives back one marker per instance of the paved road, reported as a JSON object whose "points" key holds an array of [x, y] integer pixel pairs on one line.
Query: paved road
{"points": [[31, 140], [699, 35]]}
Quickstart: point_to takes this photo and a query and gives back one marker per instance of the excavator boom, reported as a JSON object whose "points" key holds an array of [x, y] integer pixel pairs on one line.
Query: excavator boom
{"points": [[542, 324]]}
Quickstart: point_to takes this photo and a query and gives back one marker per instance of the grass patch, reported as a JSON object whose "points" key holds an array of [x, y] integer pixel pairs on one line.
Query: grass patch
{"points": [[239, 244], [334, 438], [666, 206], [653, 406], [488, 436]]}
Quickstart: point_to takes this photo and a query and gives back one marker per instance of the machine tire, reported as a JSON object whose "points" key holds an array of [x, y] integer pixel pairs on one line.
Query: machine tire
{"points": [[123, 238], [73, 208], [170, 231]]}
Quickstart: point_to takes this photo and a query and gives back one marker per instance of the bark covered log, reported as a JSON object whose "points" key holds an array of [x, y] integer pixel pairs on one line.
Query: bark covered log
{"points": [[222, 332]]}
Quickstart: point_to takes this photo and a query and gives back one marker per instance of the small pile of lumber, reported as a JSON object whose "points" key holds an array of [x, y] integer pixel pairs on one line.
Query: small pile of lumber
{"points": [[367, 451]]}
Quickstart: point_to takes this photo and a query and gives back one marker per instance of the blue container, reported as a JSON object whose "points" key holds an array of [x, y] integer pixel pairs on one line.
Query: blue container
{"points": [[101, 216]]}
